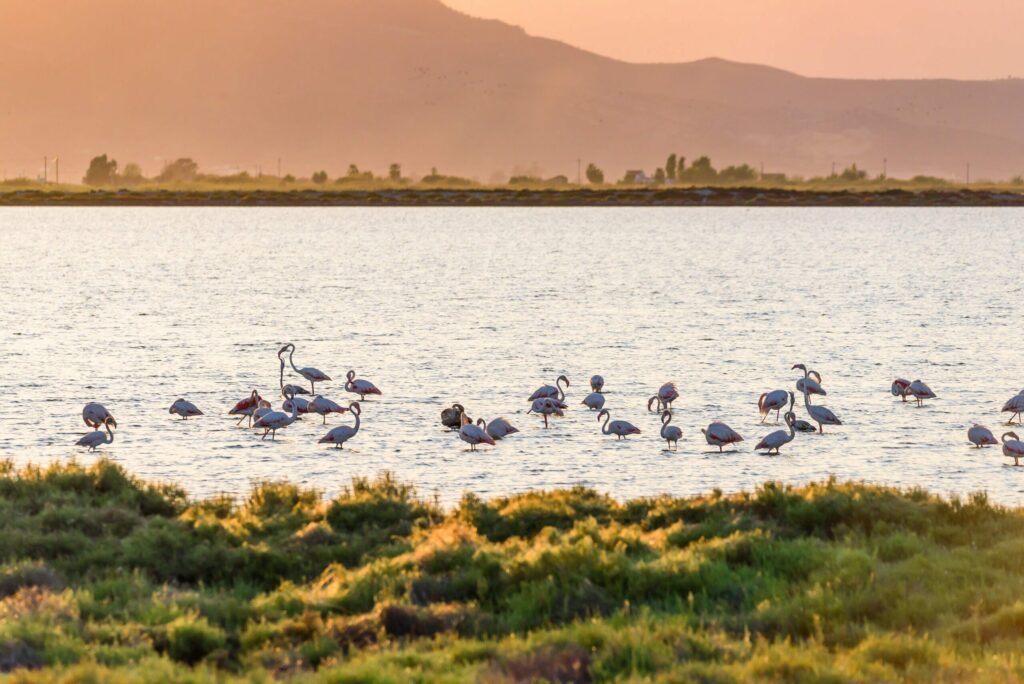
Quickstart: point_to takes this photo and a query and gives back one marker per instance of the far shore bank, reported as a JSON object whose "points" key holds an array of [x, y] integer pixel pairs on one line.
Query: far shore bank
{"points": [[511, 197]]}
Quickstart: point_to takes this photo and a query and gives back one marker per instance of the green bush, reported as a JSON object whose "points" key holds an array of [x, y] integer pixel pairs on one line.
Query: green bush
{"points": [[190, 640]]}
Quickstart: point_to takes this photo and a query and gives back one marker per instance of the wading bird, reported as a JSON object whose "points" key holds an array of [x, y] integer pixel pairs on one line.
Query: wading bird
{"points": [[185, 409], [900, 388], [1014, 407], [95, 415], [979, 436], [667, 393], [451, 417], [314, 375], [619, 428], [246, 407], [811, 380], [322, 406], [272, 421], [1013, 448], [596, 383], [779, 438], [670, 433], [920, 391], [500, 428], [720, 435], [545, 406], [95, 439], [594, 401], [474, 434], [341, 434], [772, 401], [551, 391], [359, 386], [819, 414]]}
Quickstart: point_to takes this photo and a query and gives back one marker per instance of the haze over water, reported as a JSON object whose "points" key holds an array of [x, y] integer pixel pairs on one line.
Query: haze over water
{"points": [[137, 307]]}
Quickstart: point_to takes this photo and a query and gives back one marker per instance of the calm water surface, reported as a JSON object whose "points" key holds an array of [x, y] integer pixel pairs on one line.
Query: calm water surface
{"points": [[136, 307]]}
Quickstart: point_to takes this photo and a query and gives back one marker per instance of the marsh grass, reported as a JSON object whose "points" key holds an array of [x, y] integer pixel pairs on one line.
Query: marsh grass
{"points": [[106, 578]]}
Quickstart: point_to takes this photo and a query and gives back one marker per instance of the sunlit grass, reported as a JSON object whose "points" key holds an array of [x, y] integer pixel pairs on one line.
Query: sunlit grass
{"points": [[106, 578]]}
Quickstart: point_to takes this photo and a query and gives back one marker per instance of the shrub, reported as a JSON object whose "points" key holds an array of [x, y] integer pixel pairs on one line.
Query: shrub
{"points": [[190, 639]]}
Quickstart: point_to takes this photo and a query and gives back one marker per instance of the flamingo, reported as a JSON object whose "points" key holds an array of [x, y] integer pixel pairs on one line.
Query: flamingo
{"points": [[500, 428], [594, 401], [95, 439], [294, 389], [719, 434], [900, 388], [619, 428], [667, 393], [314, 375], [451, 417], [360, 387], [798, 424], [669, 433], [772, 401], [300, 405], [323, 406], [261, 409], [819, 414], [551, 391], [341, 434], [779, 438], [920, 391], [546, 407], [245, 407], [596, 383], [184, 409], [979, 436], [811, 380], [474, 434], [1013, 448], [272, 421], [1014, 407], [95, 414]]}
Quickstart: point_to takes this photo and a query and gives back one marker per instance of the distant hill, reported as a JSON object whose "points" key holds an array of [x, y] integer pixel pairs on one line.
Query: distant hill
{"points": [[326, 83]]}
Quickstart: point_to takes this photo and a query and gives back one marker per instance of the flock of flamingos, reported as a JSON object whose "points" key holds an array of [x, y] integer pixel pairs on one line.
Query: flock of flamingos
{"points": [[548, 401]]}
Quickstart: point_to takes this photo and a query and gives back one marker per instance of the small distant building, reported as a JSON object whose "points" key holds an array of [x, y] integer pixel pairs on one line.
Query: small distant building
{"points": [[637, 177]]}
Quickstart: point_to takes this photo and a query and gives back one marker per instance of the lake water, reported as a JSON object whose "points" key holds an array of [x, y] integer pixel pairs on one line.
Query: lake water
{"points": [[137, 307]]}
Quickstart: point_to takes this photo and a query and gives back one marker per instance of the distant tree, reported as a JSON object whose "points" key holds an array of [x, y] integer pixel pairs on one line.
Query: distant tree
{"points": [[289, 178], [320, 177], [680, 166], [744, 173], [670, 167], [852, 173], [353, 170], [132, 174], [700, 171], [182, 169], [395, 173], [101, 171], [594, 174], [659, 176]]}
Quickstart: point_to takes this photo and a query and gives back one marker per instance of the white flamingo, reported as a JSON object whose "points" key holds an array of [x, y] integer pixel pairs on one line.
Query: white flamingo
{"points": [[667, 393], [900, 388], [341, 434], [920, 391], [819, 414], [245, 407], [474, 434], [596, 383], [811, 380], [551, 391], [95, 439], [594, 401], [772, 401], [359, 386], [314, 375], [500, 428], [779, 438], [979, 436], [670, 433], [185, 409], [545, 406], [1013, 448], [323, 406], [1014, 407], [95, 414], [719, 434], [272, 421], [619, 428], [300, 405]]}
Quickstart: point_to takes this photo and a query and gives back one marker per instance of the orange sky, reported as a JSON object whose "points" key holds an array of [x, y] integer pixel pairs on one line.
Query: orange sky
{"points": [[843, 38]]}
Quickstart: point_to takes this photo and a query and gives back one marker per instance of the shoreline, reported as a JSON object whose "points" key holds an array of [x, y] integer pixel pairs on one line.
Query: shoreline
{"points": [[502, 197]]}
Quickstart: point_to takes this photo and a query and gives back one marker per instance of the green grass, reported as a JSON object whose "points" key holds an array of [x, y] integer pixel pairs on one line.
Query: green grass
{"points": [[106, 578]]}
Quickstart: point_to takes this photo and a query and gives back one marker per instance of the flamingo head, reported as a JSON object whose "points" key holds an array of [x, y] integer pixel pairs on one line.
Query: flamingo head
{"points": [[1009, 434], [602, 413], [351, 375], [355, 408], [800, 366], [564, 379], [790, 418], [287, 347]]}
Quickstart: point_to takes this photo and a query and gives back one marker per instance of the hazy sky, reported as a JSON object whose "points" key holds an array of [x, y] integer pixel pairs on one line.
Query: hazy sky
{"points": [[846, 38]]}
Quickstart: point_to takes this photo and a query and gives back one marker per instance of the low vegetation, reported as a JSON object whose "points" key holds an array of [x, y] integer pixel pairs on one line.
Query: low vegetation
{"points": [[106, 578]]}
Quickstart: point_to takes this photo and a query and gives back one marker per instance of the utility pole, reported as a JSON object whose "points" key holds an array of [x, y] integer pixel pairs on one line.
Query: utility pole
{"points": [[46, 167], [56, 166], [885, 167], [761, 177], [278, 167], [968, 173], [579, 171], [833, 169]]}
